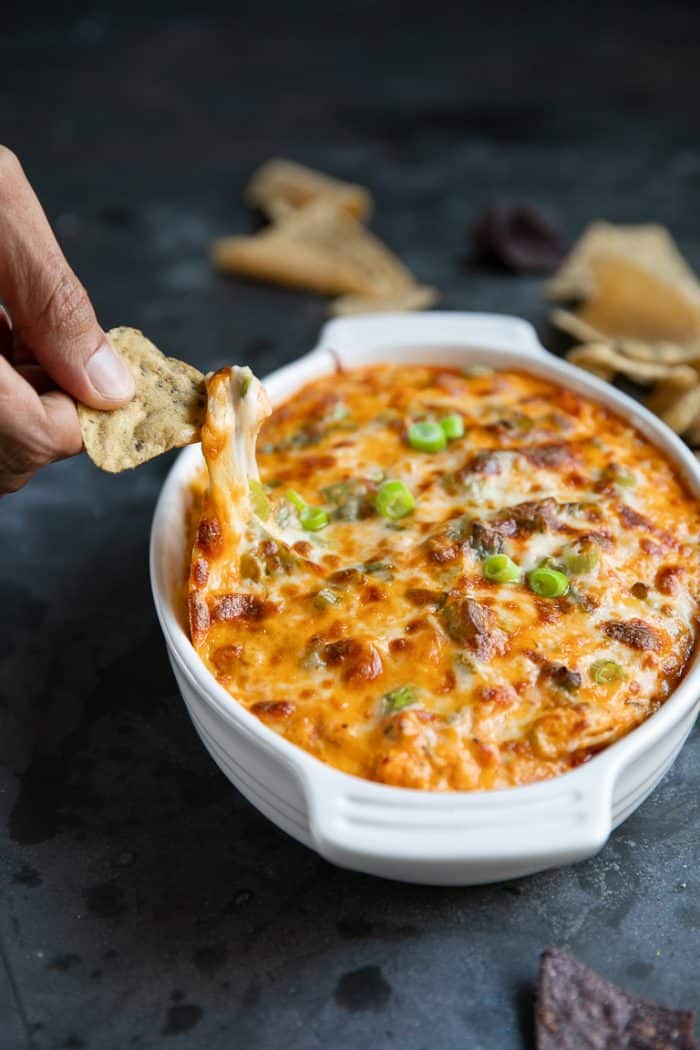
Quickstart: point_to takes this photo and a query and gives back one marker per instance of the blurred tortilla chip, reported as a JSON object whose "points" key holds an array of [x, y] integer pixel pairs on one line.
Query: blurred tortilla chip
{"points": [[607, 361], [318, 248], [681, 413], [649, 245], [663, 352], [279, 186], [572, 324], [631, 302], [167, 410], [414, 297]]}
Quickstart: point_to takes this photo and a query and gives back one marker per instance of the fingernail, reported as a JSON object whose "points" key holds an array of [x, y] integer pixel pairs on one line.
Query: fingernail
{"points": [[109, 375]]}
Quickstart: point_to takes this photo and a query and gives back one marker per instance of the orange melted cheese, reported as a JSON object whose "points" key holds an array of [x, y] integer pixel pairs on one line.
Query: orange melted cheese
{"points": [[410, 667]]}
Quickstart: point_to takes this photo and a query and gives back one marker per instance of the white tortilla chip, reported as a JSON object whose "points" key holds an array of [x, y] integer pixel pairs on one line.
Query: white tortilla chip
{"points": [[649, 246], [280, 186]]}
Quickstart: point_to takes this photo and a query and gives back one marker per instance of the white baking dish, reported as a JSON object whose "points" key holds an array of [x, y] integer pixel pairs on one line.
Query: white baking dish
{"points": [[419, 836]]}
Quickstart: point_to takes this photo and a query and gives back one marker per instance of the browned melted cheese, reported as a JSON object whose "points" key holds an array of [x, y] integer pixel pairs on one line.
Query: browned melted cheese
{"points": [[502, 687]]}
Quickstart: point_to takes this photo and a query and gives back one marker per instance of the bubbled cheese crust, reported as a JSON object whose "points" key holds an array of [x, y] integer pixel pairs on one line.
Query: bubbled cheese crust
{"points": [[502, 687]]}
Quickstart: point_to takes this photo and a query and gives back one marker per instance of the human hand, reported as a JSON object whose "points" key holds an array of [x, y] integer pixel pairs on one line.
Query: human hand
{"points": [[51, 345]]}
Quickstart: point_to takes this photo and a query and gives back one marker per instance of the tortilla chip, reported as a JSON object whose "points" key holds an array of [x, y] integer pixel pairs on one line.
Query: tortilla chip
{"points": [[317, 248], [666, 393], [571, 323], [607, 361], [595, 358], [650, 246], [280, 186], [631, 302], [666, 353], [415, 297], [692, 434], [577, 1008], [167, 410], [681, 413]]}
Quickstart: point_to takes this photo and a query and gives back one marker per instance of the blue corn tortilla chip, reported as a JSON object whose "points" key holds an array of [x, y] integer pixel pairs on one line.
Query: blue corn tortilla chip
{"points": [[577, 1009]]}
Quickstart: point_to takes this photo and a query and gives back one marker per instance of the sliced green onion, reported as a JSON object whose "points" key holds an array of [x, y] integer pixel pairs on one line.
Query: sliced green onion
{"points": [[325, 598], [547, 583], [452, 426], [581, 558], [313, 518], [427, 437], [298, 501], [258, 499], [499, 568], [394, 500], [606, 672], [246, 379], [310, 518], [401, 697]]}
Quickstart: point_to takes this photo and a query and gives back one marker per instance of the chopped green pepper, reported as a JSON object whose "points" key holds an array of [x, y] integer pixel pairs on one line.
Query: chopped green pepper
{"points": [[325, 598], [399, 698]]}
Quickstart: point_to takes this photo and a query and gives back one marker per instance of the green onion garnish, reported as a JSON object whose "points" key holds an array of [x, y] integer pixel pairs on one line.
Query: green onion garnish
{"points": [[258, 499], [452, 426], [606, 672], [499, 568], [310, 518], [246, 378], [547, 583], [313, 519], [294, 498], [427, 437], [394, 500], [401, 697], [581, 558]]}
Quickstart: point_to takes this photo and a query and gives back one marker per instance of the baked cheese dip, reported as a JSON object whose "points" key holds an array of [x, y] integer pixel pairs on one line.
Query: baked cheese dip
{"points": [[440, 579]]}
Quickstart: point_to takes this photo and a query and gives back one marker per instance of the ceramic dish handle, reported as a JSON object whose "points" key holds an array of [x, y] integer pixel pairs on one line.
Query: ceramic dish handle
{"points": [[521, 829], [372, 332]]}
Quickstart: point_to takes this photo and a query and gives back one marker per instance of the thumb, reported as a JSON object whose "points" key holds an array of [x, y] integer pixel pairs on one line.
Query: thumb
{"points": [[51, 312]]}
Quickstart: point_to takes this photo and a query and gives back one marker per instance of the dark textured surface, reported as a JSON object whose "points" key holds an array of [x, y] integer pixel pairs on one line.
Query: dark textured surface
{"points": [[148, 904]]}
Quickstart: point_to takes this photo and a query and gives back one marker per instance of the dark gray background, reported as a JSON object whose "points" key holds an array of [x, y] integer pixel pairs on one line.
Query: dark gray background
{"points": [[145, 903]]}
